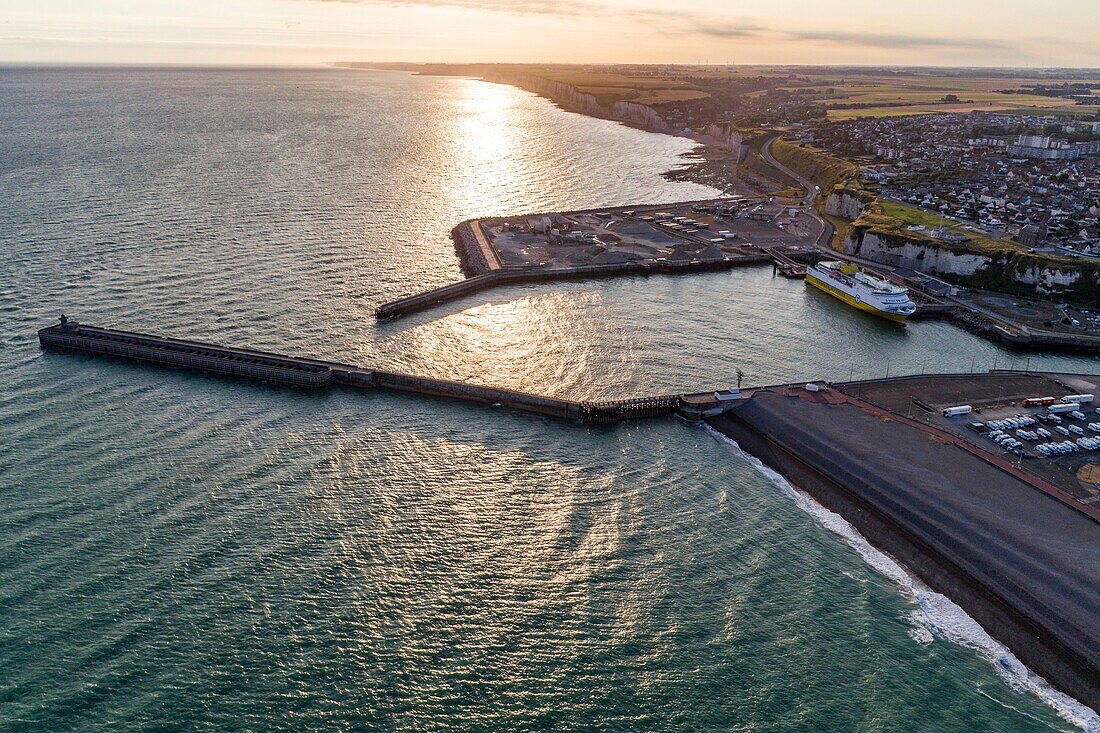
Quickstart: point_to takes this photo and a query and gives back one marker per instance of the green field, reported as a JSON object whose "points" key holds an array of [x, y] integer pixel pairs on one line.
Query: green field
{"points": [[917, 91], [822, 168], [895, 218]]}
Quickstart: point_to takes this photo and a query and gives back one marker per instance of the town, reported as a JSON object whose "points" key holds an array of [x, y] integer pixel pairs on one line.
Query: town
{"points": [[1029, 178]]}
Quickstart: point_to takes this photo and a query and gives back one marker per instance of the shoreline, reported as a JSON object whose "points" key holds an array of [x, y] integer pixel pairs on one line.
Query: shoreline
{"points": [[707, 164], [879, 501], [938, 614], [1066, 662]]}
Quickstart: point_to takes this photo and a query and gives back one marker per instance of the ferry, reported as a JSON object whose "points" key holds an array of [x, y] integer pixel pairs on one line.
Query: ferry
{"points": [[862, 290]]}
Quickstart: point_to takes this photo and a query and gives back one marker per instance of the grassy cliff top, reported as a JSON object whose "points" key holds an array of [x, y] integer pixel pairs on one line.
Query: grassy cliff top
{"points": [[824, 169], [894, 219]]}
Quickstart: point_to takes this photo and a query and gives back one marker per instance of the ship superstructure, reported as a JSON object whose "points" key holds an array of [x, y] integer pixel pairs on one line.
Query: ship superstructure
{"points": [[862, 290]]}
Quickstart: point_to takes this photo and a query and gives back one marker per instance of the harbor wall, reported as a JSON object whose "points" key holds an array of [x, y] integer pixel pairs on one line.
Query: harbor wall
{"points": [[476, 255], [514, 276], [315, 374], [1023, 624], [189, 355], [526, 402]]}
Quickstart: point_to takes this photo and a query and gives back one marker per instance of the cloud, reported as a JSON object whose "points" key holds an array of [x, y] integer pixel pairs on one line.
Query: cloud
{"points": [[518, 7], [682, 22], [674, 21], [715, 28], [699, 25], [891, 40], [703, 25]]}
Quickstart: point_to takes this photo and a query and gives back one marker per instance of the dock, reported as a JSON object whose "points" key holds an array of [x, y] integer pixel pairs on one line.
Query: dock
{"points": [[516, 276], [621, 241], [306, 373], [784, 265]]}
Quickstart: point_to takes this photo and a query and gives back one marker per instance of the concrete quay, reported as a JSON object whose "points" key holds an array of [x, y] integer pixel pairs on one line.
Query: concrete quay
{"points": [[1017, 557], [622, 241], [516, 276]]}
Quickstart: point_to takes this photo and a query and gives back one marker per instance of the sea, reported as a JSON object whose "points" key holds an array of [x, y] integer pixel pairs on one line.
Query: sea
{"points": [[188, 552]]}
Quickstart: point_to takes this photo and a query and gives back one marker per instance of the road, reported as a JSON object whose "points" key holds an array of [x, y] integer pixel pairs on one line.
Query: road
{"points": [[827, 229]]}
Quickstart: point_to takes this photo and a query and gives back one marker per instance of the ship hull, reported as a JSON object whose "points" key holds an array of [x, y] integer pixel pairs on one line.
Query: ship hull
{"points": [[851, 299]]}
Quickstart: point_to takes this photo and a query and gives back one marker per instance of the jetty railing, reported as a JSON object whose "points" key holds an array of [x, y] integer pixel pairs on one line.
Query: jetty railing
{"points": [[633, 409]]}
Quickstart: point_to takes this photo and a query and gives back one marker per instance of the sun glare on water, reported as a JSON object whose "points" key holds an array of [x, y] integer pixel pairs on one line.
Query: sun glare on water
{"points": [[486, 137]]}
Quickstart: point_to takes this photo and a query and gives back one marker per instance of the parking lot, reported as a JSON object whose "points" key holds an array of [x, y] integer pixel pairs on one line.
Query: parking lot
{"points": [[693, 231], [1040, 432], [1028, 418]]}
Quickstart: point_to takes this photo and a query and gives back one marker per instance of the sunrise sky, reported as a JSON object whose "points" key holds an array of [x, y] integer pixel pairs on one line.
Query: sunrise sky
{"points": [[937, 32]]}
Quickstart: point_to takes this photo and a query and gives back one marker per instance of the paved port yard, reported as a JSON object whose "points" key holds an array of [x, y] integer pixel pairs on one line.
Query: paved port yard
{"points": [[994, 396], [685, 231], [619, 241], [1023, 563]]}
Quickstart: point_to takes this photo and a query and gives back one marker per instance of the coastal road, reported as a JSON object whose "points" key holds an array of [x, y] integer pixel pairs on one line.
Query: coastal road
{"points": [[827, 229], [807, 185]]}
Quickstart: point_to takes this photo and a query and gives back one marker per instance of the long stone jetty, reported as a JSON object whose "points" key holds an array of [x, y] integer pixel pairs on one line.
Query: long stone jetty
{"points": [[1014, 542], [316, 374], [509, 276]]}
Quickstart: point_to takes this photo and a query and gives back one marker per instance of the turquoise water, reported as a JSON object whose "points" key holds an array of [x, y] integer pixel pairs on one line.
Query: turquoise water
{"points": [[184, 552]]}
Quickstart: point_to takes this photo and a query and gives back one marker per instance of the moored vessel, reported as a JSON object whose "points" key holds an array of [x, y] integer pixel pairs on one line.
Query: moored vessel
{"points": [[862, 290]]}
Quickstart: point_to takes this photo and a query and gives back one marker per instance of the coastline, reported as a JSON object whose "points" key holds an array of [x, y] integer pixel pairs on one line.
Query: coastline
{"points": [[1043, 652], [710, 163], [807, 447], [937, 614], [228, 476]]}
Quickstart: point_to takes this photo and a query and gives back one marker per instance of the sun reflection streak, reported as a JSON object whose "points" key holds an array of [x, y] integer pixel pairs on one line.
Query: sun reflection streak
{"points": [[487, 137], [541, 343]]}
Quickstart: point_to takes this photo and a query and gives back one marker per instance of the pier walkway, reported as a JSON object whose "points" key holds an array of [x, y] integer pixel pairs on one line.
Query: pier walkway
{"points": [[315, 374], [784, 265]]}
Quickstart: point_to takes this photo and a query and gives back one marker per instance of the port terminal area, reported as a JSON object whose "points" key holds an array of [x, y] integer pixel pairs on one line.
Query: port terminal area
{"points": [[1011, 537], [676, 238], [684, 232], [1015, 416], [719, 234]]}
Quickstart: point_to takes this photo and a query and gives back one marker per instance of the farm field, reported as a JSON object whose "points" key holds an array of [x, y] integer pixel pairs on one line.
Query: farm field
{"points": [[1011, 104], [879, 93]]}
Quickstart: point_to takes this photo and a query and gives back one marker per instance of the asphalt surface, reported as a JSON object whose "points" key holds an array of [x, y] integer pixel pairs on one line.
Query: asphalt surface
{"points": [[807, 200], [1032, 551]]}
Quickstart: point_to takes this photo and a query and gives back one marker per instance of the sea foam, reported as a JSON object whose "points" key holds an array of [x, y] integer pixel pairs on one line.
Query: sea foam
{"points": [[937, 615]]}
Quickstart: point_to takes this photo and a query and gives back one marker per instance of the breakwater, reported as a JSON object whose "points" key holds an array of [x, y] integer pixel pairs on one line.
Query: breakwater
{"points": [[1030, 339], [926, 502], [475, 255], [515, 276], [315, 374]]}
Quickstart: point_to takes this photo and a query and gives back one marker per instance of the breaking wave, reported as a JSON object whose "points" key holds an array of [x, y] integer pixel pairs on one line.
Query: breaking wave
{"points": [[937, 615]]}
